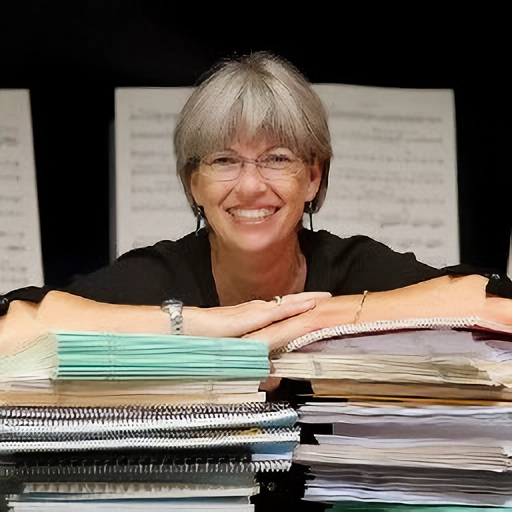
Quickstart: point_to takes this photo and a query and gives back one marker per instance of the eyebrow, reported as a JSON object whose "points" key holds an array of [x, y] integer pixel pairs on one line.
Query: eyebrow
{"points": [[271, 148]]}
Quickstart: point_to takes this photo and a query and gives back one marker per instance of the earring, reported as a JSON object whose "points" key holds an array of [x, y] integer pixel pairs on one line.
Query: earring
{"points": [[309, 210], [199, 211]]}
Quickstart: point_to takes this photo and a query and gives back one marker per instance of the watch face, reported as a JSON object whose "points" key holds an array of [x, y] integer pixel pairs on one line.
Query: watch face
{"points": [[172, 302]]}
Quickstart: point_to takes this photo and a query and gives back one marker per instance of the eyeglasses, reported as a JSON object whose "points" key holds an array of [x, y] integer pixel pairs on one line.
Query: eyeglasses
{"points": [[277, 165]]}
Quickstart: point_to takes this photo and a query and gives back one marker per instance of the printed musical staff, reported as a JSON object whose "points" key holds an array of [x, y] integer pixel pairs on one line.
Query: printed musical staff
{"points": [[20, 246]]}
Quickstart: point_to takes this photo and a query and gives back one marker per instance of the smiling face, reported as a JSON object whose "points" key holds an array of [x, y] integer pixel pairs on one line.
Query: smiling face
{"points": [[252, 213]]}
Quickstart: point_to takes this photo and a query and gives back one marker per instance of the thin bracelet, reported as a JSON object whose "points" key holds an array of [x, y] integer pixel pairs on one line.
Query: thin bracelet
{"points": [[360, 307]]}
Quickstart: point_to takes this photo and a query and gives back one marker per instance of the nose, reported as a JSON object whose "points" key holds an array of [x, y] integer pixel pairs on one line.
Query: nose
{"points": [[250, 180]]}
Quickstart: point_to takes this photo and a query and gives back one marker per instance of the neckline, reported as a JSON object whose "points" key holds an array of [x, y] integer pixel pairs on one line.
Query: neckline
{"points": [[209, 288]]}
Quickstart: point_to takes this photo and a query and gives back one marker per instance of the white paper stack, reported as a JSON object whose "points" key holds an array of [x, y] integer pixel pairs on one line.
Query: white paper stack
{"points": [[421, 417], [413, 359]]}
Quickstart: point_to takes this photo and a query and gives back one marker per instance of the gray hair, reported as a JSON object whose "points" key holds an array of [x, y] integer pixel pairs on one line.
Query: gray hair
{"points": [[259, 95]]}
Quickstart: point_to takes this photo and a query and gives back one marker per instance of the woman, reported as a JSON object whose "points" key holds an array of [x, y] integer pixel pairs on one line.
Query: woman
{"points": [[253, 153]]}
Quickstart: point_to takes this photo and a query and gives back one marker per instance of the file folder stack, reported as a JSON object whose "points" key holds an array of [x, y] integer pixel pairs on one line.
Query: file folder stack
{"points": [[419, 413], [110, 421]]}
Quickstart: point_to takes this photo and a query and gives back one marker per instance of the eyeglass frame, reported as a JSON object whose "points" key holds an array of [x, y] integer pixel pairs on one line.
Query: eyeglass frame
{"points": [[257, 163]]}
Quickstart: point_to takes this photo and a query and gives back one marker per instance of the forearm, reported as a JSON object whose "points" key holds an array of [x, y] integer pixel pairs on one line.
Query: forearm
{"points": [[441, 297], [63, 311], [60, 311]]}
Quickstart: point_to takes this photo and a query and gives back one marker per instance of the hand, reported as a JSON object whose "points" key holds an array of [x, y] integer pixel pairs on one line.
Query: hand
{"points": [[328, 312], [235, 321]]}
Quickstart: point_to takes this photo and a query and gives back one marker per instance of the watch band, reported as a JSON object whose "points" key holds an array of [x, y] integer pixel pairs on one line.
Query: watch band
{"points": [[175, 310]]}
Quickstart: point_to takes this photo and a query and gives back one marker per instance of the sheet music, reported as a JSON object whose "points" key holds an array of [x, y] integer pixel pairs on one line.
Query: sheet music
{"points": [[393, 176], [150, 201], [20, 244]]}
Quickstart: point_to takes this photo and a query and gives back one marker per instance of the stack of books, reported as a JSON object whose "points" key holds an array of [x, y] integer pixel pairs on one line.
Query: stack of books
{"points": [[419, 412], [136, 422]]}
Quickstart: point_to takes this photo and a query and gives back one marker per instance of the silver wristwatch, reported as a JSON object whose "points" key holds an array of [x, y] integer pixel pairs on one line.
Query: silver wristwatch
{"points": [[175, 309]]}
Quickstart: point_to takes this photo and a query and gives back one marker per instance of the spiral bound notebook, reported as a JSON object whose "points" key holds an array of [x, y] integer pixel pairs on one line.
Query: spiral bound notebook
{"points": [[212, 451], [25, 421], [136, 466], [48, 478], [263, 428], [471, 323], [175, 457]]}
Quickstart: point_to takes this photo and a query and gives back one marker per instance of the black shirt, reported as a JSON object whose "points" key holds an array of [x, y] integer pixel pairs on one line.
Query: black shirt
{"points": [[182, 270]]}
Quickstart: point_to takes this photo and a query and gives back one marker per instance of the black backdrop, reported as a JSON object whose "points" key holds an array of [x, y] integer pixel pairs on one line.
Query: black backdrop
{"points": [[72, 54]]}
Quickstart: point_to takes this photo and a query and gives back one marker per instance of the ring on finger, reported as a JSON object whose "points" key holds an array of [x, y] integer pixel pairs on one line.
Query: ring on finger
{"points": [[279, 300]]}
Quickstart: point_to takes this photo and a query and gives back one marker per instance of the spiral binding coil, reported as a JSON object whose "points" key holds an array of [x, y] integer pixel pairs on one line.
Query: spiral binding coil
{"points": [[377, 326], [142, 468], [32, 421], [280, 438]]}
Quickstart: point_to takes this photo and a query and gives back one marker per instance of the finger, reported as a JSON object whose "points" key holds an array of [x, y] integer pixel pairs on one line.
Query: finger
{"points": [[238, 320], [298, 297], [298, 303], [285, 310], [289, 308], [249, 316], [254, 317]]}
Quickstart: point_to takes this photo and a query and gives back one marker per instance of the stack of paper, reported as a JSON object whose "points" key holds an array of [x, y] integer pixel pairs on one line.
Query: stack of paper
{"points": [[190, 405], [409, 453], [93, 369], [440, 363], [417, 416]]}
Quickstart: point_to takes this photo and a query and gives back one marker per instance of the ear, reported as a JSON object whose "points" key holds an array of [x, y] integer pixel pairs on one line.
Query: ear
{"points": [[315, 177], [194, 188]]}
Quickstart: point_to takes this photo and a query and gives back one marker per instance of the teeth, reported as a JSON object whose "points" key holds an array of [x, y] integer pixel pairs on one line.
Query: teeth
{"points": [[251, 214]]}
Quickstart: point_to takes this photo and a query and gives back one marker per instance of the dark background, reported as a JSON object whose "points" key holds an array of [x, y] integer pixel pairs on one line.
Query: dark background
{"points": [[71, 55]]}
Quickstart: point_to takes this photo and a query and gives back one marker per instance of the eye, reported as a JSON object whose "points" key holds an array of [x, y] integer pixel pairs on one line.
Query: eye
{"points": [[277, 159], [224, 160]]}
